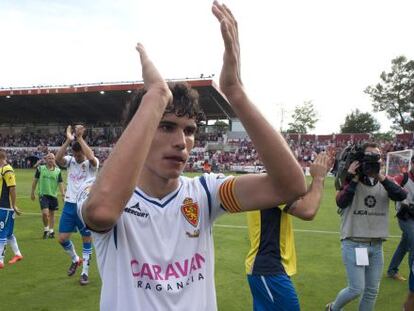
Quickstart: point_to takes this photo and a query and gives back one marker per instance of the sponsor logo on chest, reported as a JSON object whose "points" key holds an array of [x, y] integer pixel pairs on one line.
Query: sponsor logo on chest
{"points": [[168, 276], [136, 211]]}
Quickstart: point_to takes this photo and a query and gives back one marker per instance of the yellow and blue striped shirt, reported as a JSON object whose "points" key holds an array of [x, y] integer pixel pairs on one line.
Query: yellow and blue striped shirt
{"points": [[272, 242]]}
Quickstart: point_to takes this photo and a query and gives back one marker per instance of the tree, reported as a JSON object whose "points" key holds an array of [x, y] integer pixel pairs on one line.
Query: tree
{"points": [[360, 122], [394, 94], [221, 126], [387, 136], [304, 118]]}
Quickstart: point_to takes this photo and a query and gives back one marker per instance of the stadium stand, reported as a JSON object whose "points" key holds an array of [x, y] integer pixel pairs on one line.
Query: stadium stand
{"points": [[34, 117]]}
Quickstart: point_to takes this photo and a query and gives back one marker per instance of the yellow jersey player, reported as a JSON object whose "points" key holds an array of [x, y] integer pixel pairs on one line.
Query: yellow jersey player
{"points": [[8, 209]]}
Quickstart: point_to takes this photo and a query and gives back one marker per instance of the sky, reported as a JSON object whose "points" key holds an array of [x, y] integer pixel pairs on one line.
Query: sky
{"points": [[325, 51]]}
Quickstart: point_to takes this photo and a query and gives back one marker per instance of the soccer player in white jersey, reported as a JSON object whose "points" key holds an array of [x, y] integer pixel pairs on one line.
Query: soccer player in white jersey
{"points": [[152, 227], [80, 167]]}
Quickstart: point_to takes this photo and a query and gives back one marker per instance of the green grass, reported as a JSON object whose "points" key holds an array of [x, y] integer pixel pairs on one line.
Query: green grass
{"points": [[39, 282]]}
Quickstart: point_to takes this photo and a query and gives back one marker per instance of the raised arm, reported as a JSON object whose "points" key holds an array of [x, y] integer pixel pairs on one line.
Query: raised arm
{"points": [[395, 191], [62, 150], [87, 151], [39, 162], [307, 207], [284, 180], [346, 195], [130, 151]]}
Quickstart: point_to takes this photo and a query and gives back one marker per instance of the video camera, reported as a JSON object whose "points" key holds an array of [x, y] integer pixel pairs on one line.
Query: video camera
{"points": [[368, 162]]}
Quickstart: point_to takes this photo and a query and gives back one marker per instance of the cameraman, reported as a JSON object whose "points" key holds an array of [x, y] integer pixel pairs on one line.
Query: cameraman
{"points": [[405, 214], [363, 202]]}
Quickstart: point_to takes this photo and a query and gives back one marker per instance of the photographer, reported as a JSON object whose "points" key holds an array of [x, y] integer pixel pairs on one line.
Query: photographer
{"points": [[363, 202], [405, 215]]}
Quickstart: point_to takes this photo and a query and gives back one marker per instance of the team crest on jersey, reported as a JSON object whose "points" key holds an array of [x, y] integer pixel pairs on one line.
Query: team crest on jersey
{"points": [[190, 211]]}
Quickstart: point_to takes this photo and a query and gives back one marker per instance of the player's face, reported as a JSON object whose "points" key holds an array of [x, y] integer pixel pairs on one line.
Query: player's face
{"points": [[171, 146], [50, 159], [79, 156]]}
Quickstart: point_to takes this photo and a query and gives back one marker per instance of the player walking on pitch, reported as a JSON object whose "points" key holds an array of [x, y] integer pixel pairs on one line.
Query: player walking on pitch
{"points": [[81, 166]]}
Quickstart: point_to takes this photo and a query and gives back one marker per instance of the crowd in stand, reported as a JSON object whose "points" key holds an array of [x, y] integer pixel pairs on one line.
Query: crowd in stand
{"points": [[93, 138], [217, 149], [30, 140]]}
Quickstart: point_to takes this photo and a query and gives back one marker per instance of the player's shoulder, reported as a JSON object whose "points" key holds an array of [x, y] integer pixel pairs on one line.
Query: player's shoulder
{"points": [[211, 182], [57, 170], [214, 176], [208, 177], [67, 157], [90, 162], [68, 161], [7, 169]]}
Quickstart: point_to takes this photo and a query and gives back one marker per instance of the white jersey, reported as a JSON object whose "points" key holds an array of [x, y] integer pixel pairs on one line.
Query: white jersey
{"points": [[77, 173], [160, 254]]}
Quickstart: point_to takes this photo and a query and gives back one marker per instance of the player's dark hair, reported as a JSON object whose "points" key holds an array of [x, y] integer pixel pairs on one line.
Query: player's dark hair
{"points": [[184, 103], [76, 146]]}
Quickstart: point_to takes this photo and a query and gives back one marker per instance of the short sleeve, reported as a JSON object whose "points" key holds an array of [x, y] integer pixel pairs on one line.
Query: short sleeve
{"points": [[67, 160], [213, 183], [94, 168], [9, 177]]}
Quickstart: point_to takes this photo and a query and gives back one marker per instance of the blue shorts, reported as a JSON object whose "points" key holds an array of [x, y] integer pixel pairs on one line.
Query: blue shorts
{"points": [[70, 221], [6, 223], [273, 293]]}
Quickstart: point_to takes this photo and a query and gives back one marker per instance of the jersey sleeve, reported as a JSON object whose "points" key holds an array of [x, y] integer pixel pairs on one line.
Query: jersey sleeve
{"points": [[9, 177], [67, 159], [213, 183], [94, 168], [398, 179]]}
